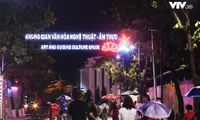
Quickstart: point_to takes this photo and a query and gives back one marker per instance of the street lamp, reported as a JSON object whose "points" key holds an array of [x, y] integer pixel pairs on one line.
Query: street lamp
{"points": [[118, 56], [127, 48], [153, 65]]}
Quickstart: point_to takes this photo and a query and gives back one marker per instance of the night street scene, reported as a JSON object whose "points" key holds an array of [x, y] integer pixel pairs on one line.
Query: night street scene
{"points": [[99, 60]]}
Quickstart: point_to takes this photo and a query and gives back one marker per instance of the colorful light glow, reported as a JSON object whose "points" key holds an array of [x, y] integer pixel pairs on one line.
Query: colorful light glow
{"points": [[132, 47], [124, 40], [26, 106], [118, 56], [14, 88], [109, 47], [124, 48], [35, 105]]}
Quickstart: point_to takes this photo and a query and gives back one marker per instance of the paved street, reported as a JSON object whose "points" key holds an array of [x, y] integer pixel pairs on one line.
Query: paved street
{"points": [[24, 118], [35, 118]]}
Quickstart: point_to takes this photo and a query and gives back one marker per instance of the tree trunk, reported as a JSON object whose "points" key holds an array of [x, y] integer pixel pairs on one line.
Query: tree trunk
{"points": [[110, 78], [178, 94], [174, 77], [191, 50]]}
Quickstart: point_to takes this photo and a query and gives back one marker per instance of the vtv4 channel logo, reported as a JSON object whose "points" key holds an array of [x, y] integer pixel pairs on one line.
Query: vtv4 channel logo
{"points": [[180, 5]]}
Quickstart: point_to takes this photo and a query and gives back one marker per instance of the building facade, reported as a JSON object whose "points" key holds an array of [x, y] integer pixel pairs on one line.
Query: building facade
{"points": [[91, 79]]}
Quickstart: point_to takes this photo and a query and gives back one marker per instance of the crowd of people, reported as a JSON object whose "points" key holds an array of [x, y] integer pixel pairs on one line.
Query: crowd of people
{"points": [[80, 109]]}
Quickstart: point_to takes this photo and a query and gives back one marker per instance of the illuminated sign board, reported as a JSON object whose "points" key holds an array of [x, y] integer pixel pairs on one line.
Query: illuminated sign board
{"points": [[71, 36], [70, 47], [108, 46], [106, 42]]}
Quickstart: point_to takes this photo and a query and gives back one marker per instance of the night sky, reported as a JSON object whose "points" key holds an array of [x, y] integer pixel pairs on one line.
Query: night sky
{"points": [[75, 16]]}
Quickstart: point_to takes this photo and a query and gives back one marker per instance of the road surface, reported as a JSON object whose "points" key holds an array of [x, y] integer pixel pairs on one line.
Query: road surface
{"points": [[24, 118], [37, 118]]}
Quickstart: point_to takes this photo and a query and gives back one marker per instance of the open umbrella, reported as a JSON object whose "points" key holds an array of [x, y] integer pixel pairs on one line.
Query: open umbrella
{"points": [[154, 109], [193, 92], [110, 97], [64, 97], [129, 92]]}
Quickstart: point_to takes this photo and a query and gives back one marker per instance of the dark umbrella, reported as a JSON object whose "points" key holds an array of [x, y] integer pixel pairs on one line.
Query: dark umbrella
{"points": [[193, 92]]}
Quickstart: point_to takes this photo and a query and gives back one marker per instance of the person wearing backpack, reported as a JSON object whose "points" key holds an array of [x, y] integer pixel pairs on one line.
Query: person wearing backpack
{"points": [[105, 110]]}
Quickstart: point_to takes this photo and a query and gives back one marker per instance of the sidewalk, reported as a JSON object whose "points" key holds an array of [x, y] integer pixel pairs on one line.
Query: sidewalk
{"points": [[24, 118]]}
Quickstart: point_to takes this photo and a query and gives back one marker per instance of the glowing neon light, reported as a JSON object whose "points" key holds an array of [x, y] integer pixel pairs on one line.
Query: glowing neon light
{"points": [[109, 47], [14, 88], [124, 39]]}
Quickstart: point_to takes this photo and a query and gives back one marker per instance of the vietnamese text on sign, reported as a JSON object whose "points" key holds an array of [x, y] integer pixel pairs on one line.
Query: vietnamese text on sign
{"points": [[74, 36]]}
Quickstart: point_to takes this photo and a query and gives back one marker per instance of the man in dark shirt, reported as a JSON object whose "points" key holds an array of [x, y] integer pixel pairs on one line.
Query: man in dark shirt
{"points": [[79, 109], [92, 110]]}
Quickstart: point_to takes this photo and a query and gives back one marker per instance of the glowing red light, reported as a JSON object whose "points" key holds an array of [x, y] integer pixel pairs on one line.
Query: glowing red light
{"points": [[109, 47], [124, 39]]}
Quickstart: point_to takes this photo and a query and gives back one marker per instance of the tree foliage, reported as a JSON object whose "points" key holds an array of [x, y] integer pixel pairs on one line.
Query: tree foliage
{"points": [[55, 86], [196, 35], [158, 15], [16, 20], [113, 68]]}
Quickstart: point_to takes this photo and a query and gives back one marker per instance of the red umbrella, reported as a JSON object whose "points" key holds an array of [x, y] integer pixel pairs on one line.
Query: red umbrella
{"points": [[110, 97]]}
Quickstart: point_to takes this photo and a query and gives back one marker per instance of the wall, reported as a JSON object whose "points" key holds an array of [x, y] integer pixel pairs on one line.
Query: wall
{"points": [[87, 80], [169, 95]]}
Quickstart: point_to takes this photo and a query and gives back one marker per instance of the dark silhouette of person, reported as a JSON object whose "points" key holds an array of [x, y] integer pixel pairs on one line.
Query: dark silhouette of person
{"points": [[79, 109], [197, 113], [172, 115]]}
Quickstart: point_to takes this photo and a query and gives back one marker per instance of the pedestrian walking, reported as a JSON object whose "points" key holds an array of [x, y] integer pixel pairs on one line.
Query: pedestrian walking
{"points": [[189, 115], [63, 110], [93, 114], [104, 110], [78, 109], [54, 111], [114, 111], [127, 112]]}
